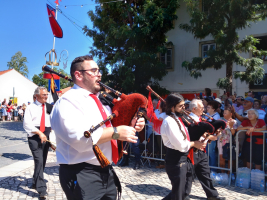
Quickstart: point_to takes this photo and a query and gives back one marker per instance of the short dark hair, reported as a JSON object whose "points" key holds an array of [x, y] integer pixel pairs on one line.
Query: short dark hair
{"points": [[208, 92], [76, 64], [171, 101], [213, 104]]}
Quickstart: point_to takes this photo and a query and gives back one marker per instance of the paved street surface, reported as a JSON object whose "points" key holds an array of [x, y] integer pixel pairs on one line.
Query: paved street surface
{"points": [[144, 183], [13, 143]]}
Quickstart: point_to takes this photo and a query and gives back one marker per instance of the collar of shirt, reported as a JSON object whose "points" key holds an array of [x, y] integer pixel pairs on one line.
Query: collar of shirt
{"points": [[83, 91], [38, 103], [194, 116]]}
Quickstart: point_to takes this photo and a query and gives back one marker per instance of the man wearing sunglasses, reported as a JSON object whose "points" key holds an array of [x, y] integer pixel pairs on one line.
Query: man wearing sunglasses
{"points": [[80, 173]]}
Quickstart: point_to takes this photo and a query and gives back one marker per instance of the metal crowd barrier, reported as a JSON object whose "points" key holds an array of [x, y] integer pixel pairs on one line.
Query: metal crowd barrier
{"points": [[231, 158], [147, 156], [237, 149]]}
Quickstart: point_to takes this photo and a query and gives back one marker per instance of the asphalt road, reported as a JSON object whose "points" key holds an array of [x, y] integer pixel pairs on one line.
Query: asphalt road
{"points": [[13, 143]]}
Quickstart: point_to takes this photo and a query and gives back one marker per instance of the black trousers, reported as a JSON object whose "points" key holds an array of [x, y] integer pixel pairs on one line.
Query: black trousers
{"points": [[181, 179], [39, 152], [202, 171], [84, 181]]}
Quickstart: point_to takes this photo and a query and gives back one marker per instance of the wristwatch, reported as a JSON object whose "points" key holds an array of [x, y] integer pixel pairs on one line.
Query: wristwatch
{"points": [[115, 135]]}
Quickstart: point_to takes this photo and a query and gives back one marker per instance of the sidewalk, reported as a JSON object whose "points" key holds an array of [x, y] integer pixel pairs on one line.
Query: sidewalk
{"points": [[145, 183]]}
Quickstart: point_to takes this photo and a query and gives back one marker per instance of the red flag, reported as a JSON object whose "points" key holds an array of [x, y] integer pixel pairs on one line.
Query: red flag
{"points": [[56, 29], [152, 116], [57, 2], [158, 105]]}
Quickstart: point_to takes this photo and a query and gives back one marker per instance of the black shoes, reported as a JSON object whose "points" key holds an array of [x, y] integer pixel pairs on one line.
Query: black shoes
{"points": [[136, 165], [216, 198], [43, 194]]}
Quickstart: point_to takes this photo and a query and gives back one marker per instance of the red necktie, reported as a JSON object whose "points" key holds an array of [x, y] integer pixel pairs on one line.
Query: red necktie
{"points": [[191, 151], [42, 124], [115, 153], [187, 135]]}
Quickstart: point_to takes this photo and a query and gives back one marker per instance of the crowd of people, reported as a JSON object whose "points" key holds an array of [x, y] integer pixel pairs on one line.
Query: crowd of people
{"points": [[85, 163], [10, 111], [239, 113]]}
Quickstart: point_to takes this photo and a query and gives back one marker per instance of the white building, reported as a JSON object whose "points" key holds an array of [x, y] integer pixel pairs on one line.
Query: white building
{"points": [[23, 88], [185, 47]]}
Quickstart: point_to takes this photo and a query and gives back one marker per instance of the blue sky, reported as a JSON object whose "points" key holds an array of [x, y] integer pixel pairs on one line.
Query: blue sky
{"points": [[25, 27]]}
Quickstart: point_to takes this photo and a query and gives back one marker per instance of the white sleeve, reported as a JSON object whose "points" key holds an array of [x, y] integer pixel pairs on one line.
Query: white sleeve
{"points": [[67, 120], [175, 136], [27, 122]]}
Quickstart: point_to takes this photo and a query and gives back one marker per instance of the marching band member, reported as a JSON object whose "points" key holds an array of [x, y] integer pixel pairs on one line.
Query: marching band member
{"points": [[201, 164], [37, 124], [80, 173], [176, 139]]}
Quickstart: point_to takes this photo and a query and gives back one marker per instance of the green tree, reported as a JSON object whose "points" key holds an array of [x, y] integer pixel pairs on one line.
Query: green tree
{"points": [[40, 81], [222, 20], [128, 38], [18, 63]]}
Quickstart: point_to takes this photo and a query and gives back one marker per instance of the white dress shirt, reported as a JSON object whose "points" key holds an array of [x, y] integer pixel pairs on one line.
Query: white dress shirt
{"points": [[172, 136], [195, 117], [32, 118], [74, 113]]}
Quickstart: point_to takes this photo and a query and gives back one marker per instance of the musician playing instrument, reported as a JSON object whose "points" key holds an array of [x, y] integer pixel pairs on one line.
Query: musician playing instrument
{"points": [[201, 164], [80, 173], [176, 139], [37, 124]]}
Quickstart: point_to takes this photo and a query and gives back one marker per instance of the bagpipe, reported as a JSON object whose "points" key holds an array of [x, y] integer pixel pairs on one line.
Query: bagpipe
{"points": [[123, 111], [205, 129]]}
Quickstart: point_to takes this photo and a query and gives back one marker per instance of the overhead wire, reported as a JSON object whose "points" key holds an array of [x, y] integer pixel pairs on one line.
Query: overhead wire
{"points": [[81, 5]]}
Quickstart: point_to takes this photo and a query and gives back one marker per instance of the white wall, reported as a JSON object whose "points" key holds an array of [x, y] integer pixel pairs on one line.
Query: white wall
{"points": [[186, 47], [24, 88]]}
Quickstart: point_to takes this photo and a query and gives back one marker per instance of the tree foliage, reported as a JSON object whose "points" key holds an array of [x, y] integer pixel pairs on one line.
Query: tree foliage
{"points": [[40, 81], [128, 38], [18, 63], [222, 20]]}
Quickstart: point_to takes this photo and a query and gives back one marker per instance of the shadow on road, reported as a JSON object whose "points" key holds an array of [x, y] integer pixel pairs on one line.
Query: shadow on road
{"points": [[12, 126], [22, 183], [15, 156]]}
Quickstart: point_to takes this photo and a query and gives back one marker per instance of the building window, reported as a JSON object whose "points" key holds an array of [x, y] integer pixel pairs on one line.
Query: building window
{"points": [[262, 45], [258, 81], [205, 48], [166, 58], [255, 2]]}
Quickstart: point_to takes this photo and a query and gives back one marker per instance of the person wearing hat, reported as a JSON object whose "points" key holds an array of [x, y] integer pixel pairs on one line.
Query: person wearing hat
{"points": [[241, 115], [220, 108]]}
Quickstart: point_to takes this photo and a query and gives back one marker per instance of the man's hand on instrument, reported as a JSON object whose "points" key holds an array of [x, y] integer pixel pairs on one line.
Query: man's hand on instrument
{"points": [[43, 137], [127, 133], [213, 137], [139, 125], [200, 145]]}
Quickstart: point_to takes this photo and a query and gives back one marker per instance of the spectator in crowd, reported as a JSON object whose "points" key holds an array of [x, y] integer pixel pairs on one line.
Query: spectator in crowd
{"points": [[238, 103], [24, 107], [9, 110], [20, 113], [241, 115], [264, 103], [15, 111], [211, 148], [205, 103], [252, 125], [225, 136], [161, 116], [4, 109], [187, 102], [29, 103], [207, 92], [257, 106], [220, 107], [251, 94]]}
